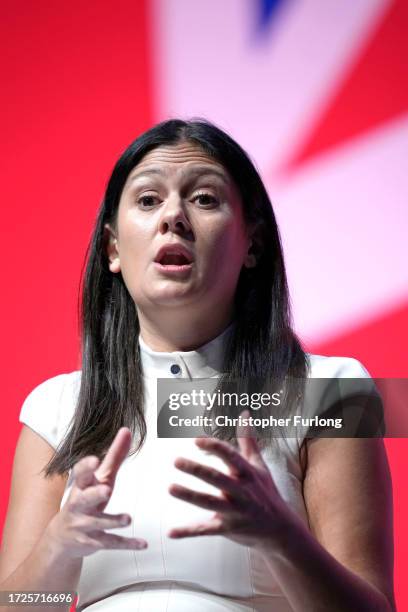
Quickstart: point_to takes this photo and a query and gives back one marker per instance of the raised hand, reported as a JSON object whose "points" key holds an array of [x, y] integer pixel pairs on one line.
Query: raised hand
{"points": [[78, 529], [249, 509]]}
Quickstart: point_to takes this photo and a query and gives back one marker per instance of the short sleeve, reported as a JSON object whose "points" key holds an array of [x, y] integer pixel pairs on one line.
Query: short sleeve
{"points": [[341, 400], [340, 367], [48, 409]]}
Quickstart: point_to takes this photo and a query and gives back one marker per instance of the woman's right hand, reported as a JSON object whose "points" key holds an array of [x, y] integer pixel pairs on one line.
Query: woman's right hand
{"points": [[78, 529]]}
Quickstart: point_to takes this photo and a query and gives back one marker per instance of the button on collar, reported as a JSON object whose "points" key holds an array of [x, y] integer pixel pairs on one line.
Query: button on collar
{"points": [[175, 369], [205, 362]]}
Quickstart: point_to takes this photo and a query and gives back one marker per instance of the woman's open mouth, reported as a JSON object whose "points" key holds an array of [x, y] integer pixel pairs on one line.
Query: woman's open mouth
{"points": [[173, 263]]}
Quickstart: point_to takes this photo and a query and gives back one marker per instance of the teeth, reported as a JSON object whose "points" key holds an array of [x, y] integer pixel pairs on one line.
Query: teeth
{"points": [[175, 259]]}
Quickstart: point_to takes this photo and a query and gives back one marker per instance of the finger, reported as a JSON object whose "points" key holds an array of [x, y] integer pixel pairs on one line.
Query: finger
{"points": [[117, 452], [84, 471], [106, 521], [210, 475], [89, 499], [203, 500], [115, 542], [247, 442], [213, 527], [225, 451], [122, 515]]}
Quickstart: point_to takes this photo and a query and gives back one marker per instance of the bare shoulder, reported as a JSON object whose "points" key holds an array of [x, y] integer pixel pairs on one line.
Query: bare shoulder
{"points": [[348, 495], [33, 501]]}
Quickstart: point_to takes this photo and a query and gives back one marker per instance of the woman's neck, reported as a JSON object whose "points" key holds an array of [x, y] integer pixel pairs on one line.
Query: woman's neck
{"points": [[179, 332]]}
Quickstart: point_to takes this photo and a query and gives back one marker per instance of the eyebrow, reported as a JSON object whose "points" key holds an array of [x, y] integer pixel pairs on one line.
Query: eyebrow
{"points": [[196, 171]]}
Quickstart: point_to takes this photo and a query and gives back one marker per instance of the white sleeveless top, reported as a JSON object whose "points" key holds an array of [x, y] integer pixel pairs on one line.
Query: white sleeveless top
{"points": [[201, 574]]}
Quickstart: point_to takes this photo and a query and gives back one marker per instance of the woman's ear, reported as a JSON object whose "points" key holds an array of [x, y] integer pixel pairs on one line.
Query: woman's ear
{"points": [[254, 248], [111, 248], [250, 259]]}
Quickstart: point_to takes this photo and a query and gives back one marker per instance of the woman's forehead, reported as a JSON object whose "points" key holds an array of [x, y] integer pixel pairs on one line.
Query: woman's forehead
{"points": [[171, 157]]}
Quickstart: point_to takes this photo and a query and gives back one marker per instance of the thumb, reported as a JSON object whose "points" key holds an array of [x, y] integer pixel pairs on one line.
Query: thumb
{"points": [[115, 456]]}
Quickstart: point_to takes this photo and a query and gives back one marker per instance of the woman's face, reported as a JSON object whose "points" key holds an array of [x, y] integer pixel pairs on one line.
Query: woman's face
{"points": [[177, 198]]}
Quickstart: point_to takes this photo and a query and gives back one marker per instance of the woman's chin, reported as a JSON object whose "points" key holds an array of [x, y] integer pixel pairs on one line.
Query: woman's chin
{"points": [[175, 296]]}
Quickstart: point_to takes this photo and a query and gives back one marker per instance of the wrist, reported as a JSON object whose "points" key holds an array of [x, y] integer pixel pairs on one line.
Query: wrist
{"points": [[65, 568], [280, 542], [55, 549]]}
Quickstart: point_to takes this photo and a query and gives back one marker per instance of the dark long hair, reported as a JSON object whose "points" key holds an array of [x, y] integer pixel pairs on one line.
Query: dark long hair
{"points": [[263, 343]]}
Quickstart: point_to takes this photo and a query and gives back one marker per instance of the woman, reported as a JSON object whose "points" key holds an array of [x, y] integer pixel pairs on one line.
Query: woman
{"points": [[185, 278]]}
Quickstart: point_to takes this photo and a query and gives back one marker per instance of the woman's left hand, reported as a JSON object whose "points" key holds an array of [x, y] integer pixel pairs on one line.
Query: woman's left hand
{"points": [[250, 509]]}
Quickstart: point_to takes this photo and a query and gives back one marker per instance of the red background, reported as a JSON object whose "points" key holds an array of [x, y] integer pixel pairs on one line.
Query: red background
{"points": [[77, 83]]}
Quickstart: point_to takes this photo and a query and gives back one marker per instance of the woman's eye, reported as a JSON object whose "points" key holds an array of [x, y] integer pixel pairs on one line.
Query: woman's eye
{"points": [[206, 199], [146, 201]]}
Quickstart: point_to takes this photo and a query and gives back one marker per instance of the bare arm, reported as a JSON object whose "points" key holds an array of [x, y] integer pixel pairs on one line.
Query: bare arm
{"points": [[348, 564], [345, 563], [26, 563], [43, 546]]}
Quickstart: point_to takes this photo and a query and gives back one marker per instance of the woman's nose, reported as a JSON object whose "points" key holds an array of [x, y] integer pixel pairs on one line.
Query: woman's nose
{"points": [[174, 217]]}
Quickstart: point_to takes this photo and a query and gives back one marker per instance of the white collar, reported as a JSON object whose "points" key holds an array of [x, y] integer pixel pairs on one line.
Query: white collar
{"points": [[204, 362]]}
